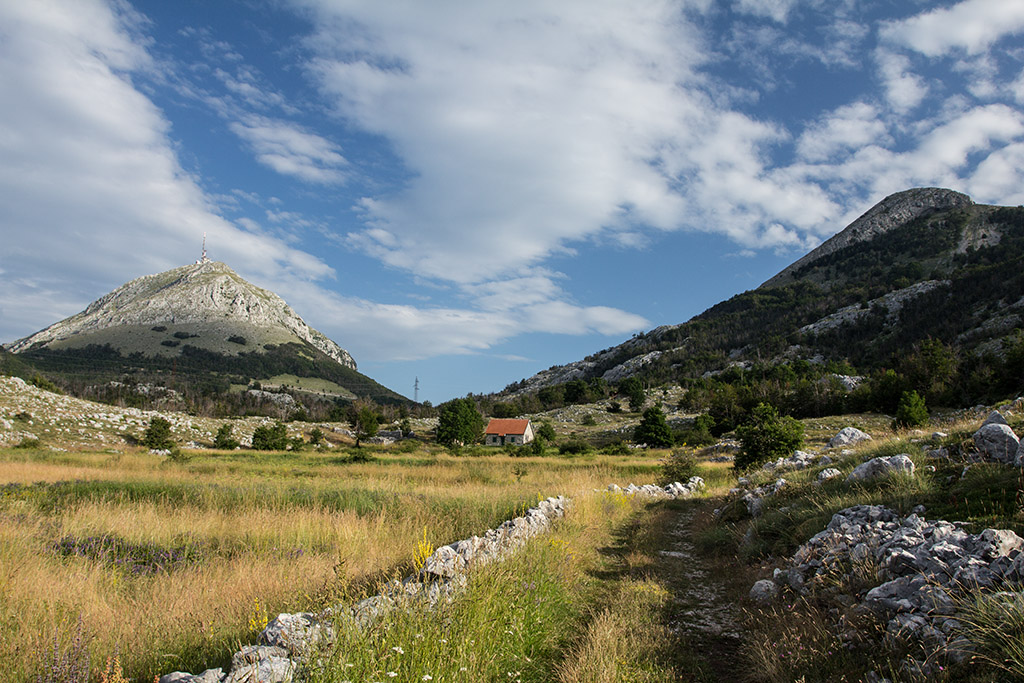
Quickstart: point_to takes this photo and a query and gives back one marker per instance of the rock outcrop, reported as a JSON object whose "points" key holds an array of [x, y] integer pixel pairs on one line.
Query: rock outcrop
{"points": [[918, 570]]}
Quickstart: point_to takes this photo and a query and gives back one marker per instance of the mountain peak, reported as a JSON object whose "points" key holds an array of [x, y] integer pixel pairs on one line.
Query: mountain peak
{"points": [[206, 300], [893, 211]]}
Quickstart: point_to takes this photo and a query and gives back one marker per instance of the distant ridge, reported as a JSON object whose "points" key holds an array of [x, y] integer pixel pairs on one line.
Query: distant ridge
{"points": [[922, 264]]}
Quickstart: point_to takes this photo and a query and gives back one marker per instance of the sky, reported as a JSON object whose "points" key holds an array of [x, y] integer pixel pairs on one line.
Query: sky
{"points": [[470, 191]]}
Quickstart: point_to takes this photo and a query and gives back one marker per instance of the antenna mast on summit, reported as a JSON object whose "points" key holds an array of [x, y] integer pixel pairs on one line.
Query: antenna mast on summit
{"points": [[204, 259], [416, 391]]}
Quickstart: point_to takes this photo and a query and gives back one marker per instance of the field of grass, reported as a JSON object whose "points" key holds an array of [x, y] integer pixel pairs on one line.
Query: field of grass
{"points": [[172, 565]]}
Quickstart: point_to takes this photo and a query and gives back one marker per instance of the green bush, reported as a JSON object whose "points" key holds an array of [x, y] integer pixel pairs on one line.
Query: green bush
{"points": [[699, 433], [574, 447], [679, 466], [270, 438], [546, 431], [653, 430], [158, 434], [767, 436], [617, 447], [224, 440], [911, 411]]}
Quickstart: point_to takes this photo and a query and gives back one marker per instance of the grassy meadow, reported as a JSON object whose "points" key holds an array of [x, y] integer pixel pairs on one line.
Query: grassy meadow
{"points": [[171, 565]]}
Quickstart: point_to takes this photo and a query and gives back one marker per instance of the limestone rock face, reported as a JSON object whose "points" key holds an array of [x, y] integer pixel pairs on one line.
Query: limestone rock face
{"points": [[891, 212], [209, 295]]}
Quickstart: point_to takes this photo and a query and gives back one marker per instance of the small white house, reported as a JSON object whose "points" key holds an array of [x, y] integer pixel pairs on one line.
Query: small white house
{"points": [[501, 432]]}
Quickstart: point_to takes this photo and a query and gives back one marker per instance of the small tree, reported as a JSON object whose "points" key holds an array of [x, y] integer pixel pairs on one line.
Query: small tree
{"points": [[158, 434], [459, 422], [224, 439], [653, 430], [766, 436], [911, 412], [633, 389], [270, 438], [365, 424], [546, 432]]}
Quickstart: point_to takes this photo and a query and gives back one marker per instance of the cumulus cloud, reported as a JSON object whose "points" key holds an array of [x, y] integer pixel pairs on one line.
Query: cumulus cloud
{"points": [[527, 132], [91, 192], [289, 150], [904, 89], [849, 127], [972, 26]]}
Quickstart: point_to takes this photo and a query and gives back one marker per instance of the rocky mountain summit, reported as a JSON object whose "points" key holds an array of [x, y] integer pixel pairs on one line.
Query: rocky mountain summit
{"points": [[206, 302], [923, 264], [892, 212]]}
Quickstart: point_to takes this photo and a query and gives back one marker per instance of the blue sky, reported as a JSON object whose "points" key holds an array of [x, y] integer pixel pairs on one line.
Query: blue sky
{"points": [[472, 191]]}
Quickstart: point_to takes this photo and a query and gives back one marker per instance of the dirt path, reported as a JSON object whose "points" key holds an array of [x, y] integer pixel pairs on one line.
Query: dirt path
{"points": [[704, 613]]}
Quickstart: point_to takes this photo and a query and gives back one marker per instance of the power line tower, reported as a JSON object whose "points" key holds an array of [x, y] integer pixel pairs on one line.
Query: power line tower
{"points": [[416, 391]]}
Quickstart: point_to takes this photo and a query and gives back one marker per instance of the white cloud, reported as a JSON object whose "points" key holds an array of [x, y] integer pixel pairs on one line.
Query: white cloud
{"points": [[526, 131], [849, 127], [289, 150], [904, 89], [91, 192], [972, 25], [777, 10]]}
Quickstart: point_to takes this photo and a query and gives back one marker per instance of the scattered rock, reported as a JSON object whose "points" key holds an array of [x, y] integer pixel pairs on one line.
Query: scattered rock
{"points": [[997, 442], [848, 436], [882, 466], [762, 592]]}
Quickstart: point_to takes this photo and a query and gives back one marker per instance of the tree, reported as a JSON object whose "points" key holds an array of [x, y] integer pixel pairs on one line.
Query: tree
{"points": [[158, 434], [911, 411], [633, 389], [270, 438], [365, 423], [653, 430], [766, 436], [224, 440], [459, 422], [546, 431]]}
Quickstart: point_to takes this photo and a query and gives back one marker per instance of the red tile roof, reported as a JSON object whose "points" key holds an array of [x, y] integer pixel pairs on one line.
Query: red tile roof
{"points": [[504, 427]]}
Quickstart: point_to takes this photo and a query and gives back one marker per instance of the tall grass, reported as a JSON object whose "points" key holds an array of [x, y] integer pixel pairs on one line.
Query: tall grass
{"points": [[294, 532]]}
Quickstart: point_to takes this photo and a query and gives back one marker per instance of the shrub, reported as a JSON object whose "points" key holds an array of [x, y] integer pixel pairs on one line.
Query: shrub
{"points": [[159, 328], [238, 339], [316, 437], [653, 430], [44, 384], [617, 447], [224, 439], [699, 433], [270, 438], [574, 447], [546, 431], [589, 420], [169, 342], [911, 411], [614, 407], [158, 434], [766, 436], [679, 466]]}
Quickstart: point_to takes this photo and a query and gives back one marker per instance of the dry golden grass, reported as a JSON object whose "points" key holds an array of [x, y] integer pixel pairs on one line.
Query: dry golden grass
{"points": [[290, 531]]}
